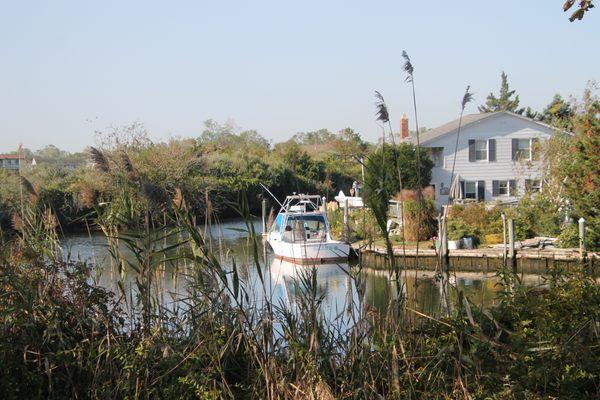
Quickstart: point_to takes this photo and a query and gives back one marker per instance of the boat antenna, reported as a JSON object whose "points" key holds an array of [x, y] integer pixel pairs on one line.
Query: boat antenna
{"points": [[272, 195]]}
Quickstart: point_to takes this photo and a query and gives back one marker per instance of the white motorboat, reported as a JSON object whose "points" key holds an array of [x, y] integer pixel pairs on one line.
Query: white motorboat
{"points": [[301, 234]]}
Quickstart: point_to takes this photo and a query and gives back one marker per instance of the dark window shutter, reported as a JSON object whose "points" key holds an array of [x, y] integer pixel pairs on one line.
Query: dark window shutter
{"points": [[492, 150], [535, 149], [495, 188], [471, 150], [480, 190], [512, 187], [462, 189], [515, 145]]}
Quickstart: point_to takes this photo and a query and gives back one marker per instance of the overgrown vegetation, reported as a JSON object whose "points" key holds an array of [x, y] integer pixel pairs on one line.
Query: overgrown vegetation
{"points": [[218, 335], [62, 336], [209, 171]]}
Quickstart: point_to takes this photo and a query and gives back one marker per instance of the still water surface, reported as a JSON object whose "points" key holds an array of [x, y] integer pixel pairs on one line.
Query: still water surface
{"points": [[342, 286]]}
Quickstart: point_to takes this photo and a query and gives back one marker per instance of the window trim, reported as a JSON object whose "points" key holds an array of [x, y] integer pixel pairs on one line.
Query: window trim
{"points": [[530, 149], [531, 188], [441, 158], [512, 187], [507, 182], [487, 150], [474, 192]]}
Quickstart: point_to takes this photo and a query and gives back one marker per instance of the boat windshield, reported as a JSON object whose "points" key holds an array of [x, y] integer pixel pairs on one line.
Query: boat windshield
{"points": [[299, 228]]}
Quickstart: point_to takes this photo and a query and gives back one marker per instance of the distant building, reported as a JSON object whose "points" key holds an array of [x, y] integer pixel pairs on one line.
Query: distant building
{"points": [[10, 161], [497, 158]]}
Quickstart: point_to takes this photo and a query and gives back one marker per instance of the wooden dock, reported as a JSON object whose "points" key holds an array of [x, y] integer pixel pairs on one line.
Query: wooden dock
{"points": [[485, 260]]}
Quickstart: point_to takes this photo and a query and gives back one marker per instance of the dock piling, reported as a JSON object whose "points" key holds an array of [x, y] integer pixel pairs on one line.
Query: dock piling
{"points": [[346, 224], [582, 246], [264, 216], [503, 239], [511, 243], [443, 238]]}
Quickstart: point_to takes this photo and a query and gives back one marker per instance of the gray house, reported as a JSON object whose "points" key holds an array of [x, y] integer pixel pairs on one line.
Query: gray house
{"points": [[498, 156], [10, 161]]}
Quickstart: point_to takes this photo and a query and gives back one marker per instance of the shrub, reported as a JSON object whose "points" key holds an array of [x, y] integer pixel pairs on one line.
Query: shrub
{"points": [[569, 236], [473, 214], [458, 229], [539, 215], [493, 238], [419, 219], [363, 224]]}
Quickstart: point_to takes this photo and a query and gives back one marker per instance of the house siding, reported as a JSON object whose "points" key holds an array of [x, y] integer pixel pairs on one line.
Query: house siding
{"points": [[503, 128]]}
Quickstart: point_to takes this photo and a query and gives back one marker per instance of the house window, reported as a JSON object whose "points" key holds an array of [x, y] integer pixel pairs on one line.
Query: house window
{"points": [[481, 150], [523, 149], [503, 188], [437, 156], [470, 190], [444, 190], [533, 185]]}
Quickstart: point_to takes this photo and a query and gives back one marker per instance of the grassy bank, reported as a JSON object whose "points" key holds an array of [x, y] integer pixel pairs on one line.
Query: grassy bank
{"points": [[61, 336]]}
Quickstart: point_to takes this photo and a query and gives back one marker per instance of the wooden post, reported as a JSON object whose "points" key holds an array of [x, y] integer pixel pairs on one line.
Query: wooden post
{"points": [[444, 254], [503, 239], [264, 217], [511, 243], [346, 224], [582, 247], [362, 170]]}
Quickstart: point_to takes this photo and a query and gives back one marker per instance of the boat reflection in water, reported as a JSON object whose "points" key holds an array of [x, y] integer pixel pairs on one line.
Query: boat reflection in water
{"points": [[331, 285]]}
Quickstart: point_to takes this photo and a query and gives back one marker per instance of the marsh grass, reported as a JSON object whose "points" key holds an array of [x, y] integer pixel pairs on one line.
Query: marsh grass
{"points": [[222, 336]]}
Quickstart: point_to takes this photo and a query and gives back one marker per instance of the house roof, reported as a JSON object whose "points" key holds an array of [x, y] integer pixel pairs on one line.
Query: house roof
{"points": [[468, 120], [11, 157]]}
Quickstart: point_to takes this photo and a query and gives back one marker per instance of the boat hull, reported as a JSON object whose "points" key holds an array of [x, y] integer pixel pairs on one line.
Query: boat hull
{"points": [[310, 253]]}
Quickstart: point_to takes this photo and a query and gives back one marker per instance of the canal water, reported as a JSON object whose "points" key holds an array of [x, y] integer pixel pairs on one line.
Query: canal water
{"points": [[342, 287]]}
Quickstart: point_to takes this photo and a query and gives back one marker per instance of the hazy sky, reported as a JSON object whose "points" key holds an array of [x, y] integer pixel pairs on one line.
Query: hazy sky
{"points": [[69, 68]]}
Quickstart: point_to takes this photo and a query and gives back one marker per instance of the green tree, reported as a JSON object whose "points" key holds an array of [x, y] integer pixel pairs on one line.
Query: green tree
{"points": [[504, 101], [405, 155], [349, 145], [558, 113], [321, 136], [297, 160], [582, 172]]}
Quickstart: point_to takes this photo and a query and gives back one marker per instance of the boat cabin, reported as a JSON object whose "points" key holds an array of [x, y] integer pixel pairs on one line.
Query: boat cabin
{"points": [[300, 220]]}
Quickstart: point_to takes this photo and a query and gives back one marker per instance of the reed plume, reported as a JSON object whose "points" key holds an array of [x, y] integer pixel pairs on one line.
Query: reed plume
{"points": [[407, 67], [17, 222], [156, 195], [179, 200], [382, 110], [99, 160], [28, 187], [49, 220], [128, 166], [87, 197], [467, 98]]}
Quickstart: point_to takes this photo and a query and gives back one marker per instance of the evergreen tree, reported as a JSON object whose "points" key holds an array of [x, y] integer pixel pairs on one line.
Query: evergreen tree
{"points": [[558, 113], [531, 113], [582, 171], [504, 101]]}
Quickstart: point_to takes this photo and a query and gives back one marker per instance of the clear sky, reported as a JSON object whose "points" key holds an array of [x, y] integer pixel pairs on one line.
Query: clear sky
{"points": [[69, 68]]}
